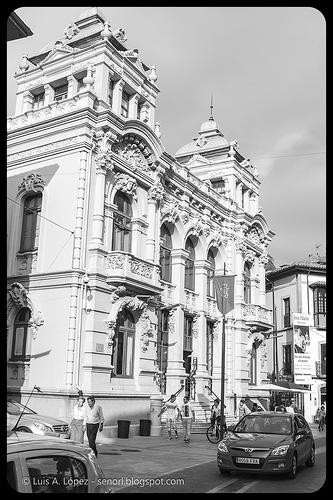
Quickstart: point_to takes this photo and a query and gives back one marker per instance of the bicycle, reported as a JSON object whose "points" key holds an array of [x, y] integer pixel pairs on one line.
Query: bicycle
{"points": [[213, 433]]}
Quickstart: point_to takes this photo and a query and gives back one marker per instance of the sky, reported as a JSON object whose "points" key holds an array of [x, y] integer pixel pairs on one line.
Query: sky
{"points": [[264, 66]]}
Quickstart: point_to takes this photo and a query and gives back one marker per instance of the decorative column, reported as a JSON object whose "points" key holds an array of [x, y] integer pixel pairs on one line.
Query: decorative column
{"points": [[240, 248], [70, 88], [103, 164], [117, 95], [28, 99], [49, 94], [155, 195], [263, 259], [239, 193], [133, 106], [79, 211]]}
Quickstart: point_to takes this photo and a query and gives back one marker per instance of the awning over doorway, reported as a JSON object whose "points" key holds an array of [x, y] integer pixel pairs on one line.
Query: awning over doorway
{"points": [[283, 388]]}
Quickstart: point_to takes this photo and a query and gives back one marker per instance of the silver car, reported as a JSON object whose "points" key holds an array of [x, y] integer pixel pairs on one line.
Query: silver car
{"points": [[34, 422], [41, 464]]}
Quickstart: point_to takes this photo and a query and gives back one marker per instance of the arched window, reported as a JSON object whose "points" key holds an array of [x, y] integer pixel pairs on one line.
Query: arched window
{"points": [[247, 284], [165, 254], [210, 274], [124, 345], [189, 265], [30, 223], [121, 237], [21, 347]]}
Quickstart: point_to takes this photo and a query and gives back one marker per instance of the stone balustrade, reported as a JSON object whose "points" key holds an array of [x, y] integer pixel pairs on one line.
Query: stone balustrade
{"points": [[253, 313], [168, 295], [124, 266]]}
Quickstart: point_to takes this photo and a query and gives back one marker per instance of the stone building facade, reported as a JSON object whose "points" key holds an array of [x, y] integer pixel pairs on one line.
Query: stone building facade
{"points": [[113, 242]]}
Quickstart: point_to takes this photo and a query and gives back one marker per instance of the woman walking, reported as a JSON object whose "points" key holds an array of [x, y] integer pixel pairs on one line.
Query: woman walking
{"points": [[78, 423]]}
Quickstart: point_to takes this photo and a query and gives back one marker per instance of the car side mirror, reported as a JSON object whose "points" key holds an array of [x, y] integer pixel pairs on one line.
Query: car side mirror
{"points": [[231, 428]]}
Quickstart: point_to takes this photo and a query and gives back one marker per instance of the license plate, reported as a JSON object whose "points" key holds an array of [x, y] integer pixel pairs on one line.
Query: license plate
{"points": [[245, 460]]}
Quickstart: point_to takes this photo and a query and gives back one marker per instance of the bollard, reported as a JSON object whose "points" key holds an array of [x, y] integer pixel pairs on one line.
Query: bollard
{"points": [[155, 409]]}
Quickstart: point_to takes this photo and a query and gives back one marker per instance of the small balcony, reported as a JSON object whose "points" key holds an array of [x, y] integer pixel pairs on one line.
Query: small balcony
{"points": [[257, 316], [123, 268], [321, 369], [168, 293]]}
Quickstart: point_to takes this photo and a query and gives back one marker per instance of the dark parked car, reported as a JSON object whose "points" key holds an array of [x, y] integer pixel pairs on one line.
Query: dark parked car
{"points": [[267, 442]]}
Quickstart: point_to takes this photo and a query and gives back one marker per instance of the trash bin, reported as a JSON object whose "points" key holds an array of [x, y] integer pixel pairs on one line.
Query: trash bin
{"points": [[145, 427], [123, 428]]}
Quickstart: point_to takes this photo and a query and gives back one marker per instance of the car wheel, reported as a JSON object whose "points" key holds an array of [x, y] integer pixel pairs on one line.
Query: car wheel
{"points": [[312, 458], [293, 468], [24, 429], [224, 471]]}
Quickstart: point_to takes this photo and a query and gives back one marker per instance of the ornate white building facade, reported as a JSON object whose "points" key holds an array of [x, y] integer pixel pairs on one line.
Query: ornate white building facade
{"points": [[113, 242]]}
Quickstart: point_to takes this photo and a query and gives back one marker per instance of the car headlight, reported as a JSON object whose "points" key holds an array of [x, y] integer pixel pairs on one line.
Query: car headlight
{"points": [[280, 450], [43, 427], [223, 447]]}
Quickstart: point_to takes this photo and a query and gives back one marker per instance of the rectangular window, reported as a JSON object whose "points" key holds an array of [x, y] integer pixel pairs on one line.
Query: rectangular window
{"points": [[189, 274], [188, 333], [30, 223], [319, 307], [60, 93], [286, 313], [110, 91], [165, 263], [209, 349], [323, 359], [287, 359], [124, 104], [38, 100], [218, 185], [57, 474]]}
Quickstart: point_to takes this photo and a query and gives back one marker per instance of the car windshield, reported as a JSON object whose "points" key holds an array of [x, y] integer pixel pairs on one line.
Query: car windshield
{"points": [[14, 408], [265, 424]]}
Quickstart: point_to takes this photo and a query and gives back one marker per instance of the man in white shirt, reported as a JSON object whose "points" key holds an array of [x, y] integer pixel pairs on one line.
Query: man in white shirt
{"points": [[94, 422], [187, 416], [289, 408], [173, 412]]}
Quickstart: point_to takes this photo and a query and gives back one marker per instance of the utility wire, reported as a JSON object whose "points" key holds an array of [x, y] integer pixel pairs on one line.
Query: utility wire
{"points": [[34, 212]]}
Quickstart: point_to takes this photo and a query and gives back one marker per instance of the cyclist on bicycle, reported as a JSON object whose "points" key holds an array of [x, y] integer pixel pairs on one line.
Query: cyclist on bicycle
{"points": [[215, 416]]}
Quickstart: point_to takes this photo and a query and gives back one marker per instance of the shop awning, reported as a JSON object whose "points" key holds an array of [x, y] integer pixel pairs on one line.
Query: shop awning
{"points": [[282, 388]]}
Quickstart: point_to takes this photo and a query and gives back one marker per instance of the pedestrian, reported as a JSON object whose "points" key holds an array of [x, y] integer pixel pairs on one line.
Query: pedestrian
{"points": [[255, 407], [293, 405], [94, 422], [77, 426], [187, 416], [242, 410], [173, 413], [321, 416], [289, 408], [280, 407], [215, 412]]}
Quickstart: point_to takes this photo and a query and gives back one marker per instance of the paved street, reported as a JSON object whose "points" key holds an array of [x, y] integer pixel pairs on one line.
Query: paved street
{"points": [[156, 465]]}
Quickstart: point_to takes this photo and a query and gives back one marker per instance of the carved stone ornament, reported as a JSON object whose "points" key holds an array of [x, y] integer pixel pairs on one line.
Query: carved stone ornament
{"points": [[62, 46], [216, 330], [116, 261], [125, 183], [185, 217], [195, 326], [137, 155], [141, 268], [249, 256], [156, 193], [170, 211], [206, 230], [240, 244], [172, 321], [218, 239], [131, 53], [120, 35], [31, 183], [19, 295], [263, 357], [71, 31], [103, 161], [35, 322], [196, 227], [233, 145], [254, 236], [263, 259], [254, 341]]}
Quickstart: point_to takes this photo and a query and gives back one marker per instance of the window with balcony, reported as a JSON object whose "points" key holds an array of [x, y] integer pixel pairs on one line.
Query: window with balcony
{"points": [[319, 307], [189, 265], [110, 91], [30, 223], [121, 237], [38, 100], [210, 274], [21, 346], [286, 359], [124, 104], [165, 254], [247, 283], [286, 312], [61, 92], [209, 347], [123, 346]]}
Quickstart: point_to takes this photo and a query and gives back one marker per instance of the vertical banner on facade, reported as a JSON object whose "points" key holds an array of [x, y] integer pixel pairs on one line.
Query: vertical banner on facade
{"points": [[301, 344], [224, 292]]}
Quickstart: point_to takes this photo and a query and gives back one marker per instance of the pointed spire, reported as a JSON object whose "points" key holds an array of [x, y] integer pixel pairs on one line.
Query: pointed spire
{"points": [[211, 108]]}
